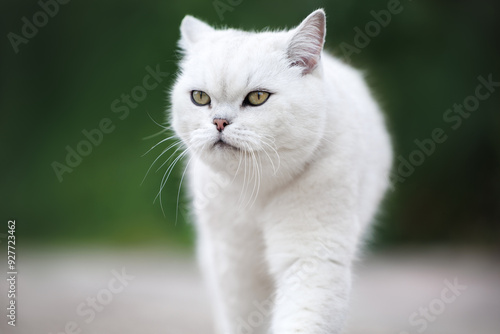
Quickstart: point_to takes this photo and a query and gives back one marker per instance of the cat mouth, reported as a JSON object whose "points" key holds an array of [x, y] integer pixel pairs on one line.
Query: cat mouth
{"points": [[221, 144]]}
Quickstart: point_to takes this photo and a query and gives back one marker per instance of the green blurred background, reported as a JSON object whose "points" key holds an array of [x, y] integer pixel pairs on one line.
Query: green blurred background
{"points": [[65, 78]]}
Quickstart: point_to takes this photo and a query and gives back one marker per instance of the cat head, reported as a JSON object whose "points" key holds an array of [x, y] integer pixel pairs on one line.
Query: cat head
{"points": [[251, 94]]}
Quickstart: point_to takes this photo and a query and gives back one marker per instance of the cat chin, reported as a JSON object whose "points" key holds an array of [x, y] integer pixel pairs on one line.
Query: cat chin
{"points": [[231, 160], [219, 155]]}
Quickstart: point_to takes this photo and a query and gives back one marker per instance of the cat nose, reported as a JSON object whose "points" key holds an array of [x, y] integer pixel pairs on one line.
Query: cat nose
{"points": [[220, 123]]}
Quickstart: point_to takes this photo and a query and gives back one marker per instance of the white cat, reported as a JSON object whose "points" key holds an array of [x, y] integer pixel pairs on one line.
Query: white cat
{"points": [[288, 161]]}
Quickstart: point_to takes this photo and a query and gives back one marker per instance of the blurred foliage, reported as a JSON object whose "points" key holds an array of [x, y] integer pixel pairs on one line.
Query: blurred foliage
{"points": [[65, 79]]}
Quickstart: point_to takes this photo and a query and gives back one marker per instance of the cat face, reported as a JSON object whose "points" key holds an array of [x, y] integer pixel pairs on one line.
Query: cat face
{"points": [[260, 94]]}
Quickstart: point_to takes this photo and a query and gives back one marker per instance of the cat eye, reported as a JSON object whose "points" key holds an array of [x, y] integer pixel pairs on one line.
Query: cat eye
{"points": [[256, 98], [200, 98]]}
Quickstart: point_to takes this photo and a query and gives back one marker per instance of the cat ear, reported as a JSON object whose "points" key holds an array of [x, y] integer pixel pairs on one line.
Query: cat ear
{"points": [[307, 42], [192, 30]]}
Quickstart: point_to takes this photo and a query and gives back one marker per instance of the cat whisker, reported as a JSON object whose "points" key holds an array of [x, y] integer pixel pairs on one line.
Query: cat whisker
{"points": [[241, 198], [170, 157], [180, 186], [243, 188], [169, 171], [165, 127], [258, 166], [160, 142], [254, 177], [271, 160], [159, 156], [256, 180], [166, 177], [277, 155], [268, 136], [170, 168], [181, 143], [156, 134], [238, 168]]}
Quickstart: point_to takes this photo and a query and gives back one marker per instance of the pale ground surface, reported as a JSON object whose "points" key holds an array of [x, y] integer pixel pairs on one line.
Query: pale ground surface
{"points": [[167, 295]]}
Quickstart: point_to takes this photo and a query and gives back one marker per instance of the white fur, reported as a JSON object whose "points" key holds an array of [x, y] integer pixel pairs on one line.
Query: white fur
{"points": [[279, 219]]}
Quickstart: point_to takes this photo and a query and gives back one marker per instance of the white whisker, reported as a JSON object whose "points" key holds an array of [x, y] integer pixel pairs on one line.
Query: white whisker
{"points": [[255, 176], [241, 198], [276, 152], [160, 142], [170, 157], [179, 191], [159, 156], [165, 127], [166, 176], [258, 166]]}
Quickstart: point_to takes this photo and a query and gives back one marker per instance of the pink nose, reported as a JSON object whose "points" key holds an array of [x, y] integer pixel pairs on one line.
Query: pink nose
{"points": [[220, 123]]}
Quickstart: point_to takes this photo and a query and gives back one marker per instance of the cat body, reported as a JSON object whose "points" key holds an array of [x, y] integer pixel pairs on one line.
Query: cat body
{"points": [[289, 159]]}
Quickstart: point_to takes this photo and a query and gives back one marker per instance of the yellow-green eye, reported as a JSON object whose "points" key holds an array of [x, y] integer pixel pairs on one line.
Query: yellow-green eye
{"points": [[200, 98], [256, 98]]}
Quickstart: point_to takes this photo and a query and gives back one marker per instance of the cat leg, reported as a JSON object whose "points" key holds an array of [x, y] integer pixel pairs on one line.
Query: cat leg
{"points": [[232, 261], [310, 261]]}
